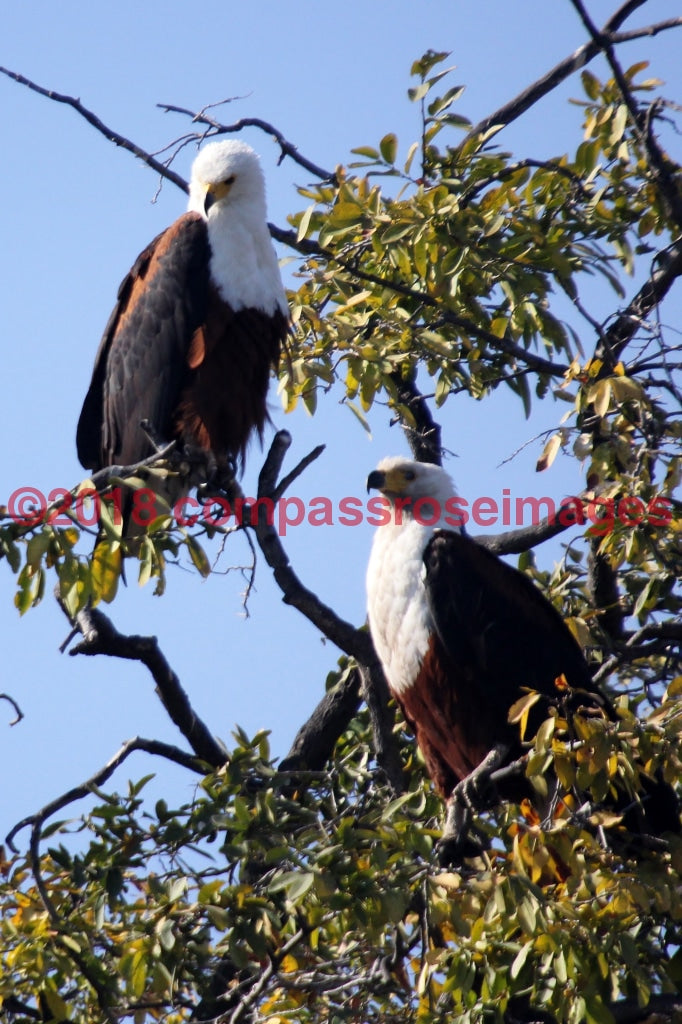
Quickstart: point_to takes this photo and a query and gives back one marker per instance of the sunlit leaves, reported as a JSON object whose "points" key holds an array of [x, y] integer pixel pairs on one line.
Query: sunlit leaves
{"points": [[479, 237]]}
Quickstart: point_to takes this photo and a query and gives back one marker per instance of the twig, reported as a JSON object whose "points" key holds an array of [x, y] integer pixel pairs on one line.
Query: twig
{"points": [[287, 148], [17, 709], [155, 747], [111, 135]]}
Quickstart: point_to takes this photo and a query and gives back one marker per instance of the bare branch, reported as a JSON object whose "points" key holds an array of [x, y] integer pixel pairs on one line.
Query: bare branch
{"points": [[515, 541], [513, 109], [350, 640], [111, 135], [101, 637], [658, 633], [287, 148], [315, 740], [155, 747], [19, 713], [652, 292], [354, 642]]}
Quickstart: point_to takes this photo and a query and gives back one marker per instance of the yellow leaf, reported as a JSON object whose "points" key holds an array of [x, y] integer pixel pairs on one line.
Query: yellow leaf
{"points": [[600, 396], [519, 710], [549, 453], [107, 560]]}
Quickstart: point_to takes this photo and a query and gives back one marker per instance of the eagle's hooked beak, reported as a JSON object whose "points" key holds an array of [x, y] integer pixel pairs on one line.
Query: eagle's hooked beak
{"points": [[376, 480], [216, 190]]}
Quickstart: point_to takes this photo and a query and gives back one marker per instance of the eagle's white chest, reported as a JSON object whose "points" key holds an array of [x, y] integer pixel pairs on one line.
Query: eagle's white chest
{"points": [[243, 262], [399, 618]]}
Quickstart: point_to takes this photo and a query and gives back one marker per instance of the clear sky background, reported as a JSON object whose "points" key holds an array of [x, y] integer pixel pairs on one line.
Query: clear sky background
{"points": [[77, 210]]}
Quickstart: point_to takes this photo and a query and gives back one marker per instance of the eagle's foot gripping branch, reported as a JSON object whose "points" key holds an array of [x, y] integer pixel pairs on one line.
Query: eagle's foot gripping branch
{"points": [[457, 841]]}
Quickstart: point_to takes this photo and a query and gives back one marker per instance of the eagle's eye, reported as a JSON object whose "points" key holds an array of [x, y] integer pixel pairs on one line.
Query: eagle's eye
{"points": [[229, 181], [409, 474]]}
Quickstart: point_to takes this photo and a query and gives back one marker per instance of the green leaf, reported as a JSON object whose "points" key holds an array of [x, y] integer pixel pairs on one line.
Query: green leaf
{"points": [[368, 151], [358, 412], [520, 959], [389, 147], [304, 222], [591, 84], [428, 61], [198, 556], [418, 92]]}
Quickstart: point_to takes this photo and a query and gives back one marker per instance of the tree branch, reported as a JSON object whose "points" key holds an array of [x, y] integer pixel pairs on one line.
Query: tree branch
{"points": [[103, 129], [347, 638], [154, 747], [101, 637], [652, 292], [287, 148], [661, 168], [514, 108], [515, 541], [504, 344], [424, 437], [314, 743], [19, 713]]}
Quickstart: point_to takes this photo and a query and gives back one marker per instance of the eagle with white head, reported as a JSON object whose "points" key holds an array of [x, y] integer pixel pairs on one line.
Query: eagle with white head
{"points": [[197, 328], [461, 636]]}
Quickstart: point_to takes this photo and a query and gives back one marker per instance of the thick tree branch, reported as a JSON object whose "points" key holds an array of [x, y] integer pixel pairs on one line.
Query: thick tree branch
{"points": [[314, 743], [100, 637], [526, 99], [526, 537], [423, 434]]}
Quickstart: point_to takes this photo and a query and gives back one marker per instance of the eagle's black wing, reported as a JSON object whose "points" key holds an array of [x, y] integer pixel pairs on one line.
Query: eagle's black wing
{"points": [[492, 618], [141, 364], [501, 634]]}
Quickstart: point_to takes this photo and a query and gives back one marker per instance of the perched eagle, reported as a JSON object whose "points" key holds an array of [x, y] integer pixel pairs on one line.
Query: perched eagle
{"points": [[460, 634], [197, 328]]}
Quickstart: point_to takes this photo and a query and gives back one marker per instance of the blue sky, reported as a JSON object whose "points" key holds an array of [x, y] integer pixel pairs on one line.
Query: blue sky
{"points": [[77, 212]]}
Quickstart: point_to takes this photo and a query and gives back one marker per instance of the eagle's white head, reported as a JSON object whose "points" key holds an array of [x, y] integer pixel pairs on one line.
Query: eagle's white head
{"points": [[227, 173], [412, 485], [227, 189]]}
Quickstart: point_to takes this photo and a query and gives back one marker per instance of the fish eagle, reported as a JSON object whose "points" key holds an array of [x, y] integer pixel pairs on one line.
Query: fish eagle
{"points": [[461, 636], [197, 328]]}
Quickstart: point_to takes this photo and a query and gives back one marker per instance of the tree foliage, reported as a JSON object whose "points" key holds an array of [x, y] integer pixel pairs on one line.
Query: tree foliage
{"points": [[309, 891]]}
